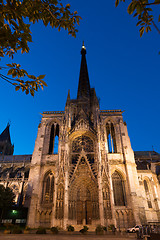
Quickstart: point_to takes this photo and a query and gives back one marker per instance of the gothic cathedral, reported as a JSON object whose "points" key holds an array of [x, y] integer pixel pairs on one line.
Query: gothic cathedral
{"points": [[83, 170]]}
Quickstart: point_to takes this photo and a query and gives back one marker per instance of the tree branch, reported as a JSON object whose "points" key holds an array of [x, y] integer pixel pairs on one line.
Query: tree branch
{"points": [[149, 4], [158, 30], [5, 79]]}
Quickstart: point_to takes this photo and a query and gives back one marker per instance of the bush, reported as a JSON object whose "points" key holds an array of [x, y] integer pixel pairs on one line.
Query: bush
{"points": [[84, 230], [16, 230], [99, 229], [27, 228], [112, 228], [8, 226], [55, 230], [70, 228], [41, 230], [105, 228]]}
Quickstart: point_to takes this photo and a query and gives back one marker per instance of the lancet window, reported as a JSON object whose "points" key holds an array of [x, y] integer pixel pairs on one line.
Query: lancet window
{"points": [[54, 139], [118, 189], [111, 140], [48, 188], [106, 200], [60, 202], [147, 194]]}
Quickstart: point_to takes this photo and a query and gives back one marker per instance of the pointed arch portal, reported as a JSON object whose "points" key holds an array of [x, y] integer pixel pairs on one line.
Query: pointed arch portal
{"points": [[83, 197]]}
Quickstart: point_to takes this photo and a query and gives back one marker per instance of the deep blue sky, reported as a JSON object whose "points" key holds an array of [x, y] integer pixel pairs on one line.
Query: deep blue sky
{"points": [[123, 68]]}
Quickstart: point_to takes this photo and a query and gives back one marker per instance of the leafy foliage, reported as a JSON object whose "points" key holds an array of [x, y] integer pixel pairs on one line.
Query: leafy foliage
{"points": [[84, 230], [29, 86], [16, 230], [55, 230], [142, 10], [15, 34], [6, 197], [99, 229], [70, 228], [41, 230]]}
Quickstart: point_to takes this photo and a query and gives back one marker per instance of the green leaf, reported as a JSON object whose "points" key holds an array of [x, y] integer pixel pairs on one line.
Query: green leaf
{"points": [[132, 7], [138, 23], [41, 76], [10, 71], [116, 3], [27, 91], [139, 8], [9, 65], [32, 92], [141, 31], [17, 88], [44, 83]]}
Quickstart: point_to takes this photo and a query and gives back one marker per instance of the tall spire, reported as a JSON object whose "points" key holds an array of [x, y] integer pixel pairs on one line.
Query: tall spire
{"points": [[5, 135], [84, 85], [6, 147], [68, 98]]}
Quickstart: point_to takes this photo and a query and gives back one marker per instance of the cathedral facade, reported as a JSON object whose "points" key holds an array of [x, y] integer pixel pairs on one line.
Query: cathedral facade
{"points": [[83, 170]]}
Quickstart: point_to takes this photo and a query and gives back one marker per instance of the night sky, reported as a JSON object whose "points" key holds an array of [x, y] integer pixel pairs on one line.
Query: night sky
{"points": [[123, 68]]}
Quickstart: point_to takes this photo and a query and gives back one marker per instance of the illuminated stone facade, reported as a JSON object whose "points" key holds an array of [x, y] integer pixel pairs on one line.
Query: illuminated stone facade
{"points": [[83, 169]]}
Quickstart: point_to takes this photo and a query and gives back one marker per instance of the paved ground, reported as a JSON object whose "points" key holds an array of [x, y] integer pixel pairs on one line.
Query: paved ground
{"points": [[64, 237]]}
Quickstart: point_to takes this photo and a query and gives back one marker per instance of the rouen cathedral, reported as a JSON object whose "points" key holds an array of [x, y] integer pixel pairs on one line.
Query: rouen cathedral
{"points": [[83, 170]]}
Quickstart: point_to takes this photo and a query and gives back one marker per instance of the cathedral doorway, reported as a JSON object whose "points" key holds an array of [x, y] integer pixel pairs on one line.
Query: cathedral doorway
{"points": [[84, 210], [83, 195]]}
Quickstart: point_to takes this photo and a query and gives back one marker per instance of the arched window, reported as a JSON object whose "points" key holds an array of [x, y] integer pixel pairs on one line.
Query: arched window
{"points": [[106, 199], [60, 202], [118, 190], [111, 140], [54, 139], [147, 194], [26, 174], [48, 188], [82, 143]]}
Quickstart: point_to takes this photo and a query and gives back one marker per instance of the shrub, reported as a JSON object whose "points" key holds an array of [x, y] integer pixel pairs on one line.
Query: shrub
{"points": [[54, 230], [2, 227], [112, 228], [99, 229], [27, 228], [105, 228], [16, 230], [84, 230], [8, 226], [70, 228], [41, 230]]}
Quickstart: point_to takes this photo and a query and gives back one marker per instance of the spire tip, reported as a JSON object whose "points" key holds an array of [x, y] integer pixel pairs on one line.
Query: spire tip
{"points": [[83, 49]]}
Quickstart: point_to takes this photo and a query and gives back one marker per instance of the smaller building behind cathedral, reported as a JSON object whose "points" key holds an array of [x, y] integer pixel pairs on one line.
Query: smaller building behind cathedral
{"points": [[83, 170]]}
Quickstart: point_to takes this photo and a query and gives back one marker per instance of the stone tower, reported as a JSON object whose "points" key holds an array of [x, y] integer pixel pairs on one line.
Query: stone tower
{"points": [[83, 170], [6, 147]]}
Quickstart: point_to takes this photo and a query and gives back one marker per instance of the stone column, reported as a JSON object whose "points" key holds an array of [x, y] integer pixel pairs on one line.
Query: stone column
{"points": [[131, 171], [34, 190], [66, 190]]}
